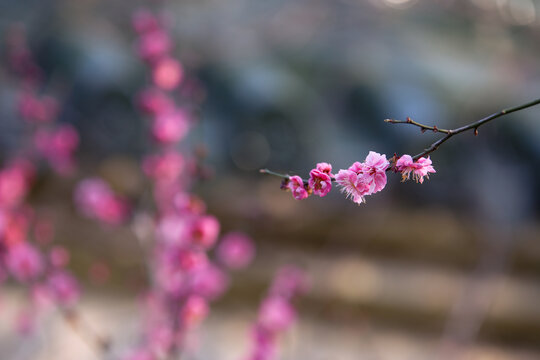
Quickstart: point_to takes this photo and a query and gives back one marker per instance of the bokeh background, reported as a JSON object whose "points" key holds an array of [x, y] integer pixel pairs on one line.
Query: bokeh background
{"points": [[447, 269]]}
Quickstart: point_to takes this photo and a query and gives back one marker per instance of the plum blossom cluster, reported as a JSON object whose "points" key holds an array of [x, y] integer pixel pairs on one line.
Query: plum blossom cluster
{"points": [[361, 179], [53, 142], [180, 237], [27, 254], [276, 312]]}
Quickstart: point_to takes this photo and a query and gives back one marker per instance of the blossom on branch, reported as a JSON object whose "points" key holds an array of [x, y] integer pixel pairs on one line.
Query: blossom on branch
{"points": [[419, 169]]}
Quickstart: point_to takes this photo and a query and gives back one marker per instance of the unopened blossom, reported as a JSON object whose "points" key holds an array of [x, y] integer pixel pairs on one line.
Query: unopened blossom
{"points": [[320, 182], [296, 185], [64, 288], [195, 309], [24, 262], [419, 169], [204, 231], [167, 73], [236, 250], [170, 127]]}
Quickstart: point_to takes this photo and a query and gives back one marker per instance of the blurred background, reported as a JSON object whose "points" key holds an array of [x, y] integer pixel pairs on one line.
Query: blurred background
{"points": [[447, 269]]}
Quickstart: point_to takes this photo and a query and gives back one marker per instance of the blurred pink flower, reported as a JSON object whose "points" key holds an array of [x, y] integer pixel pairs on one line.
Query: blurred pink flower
{"points": [[64, 288], [209, 282], [276, 314], [58, 146], [154, 101], [167, 73], [296, 185], [171, 126], [204, 231], [58, 256], [24, 262], [236, 250], [166, 166], [289, 281], [14, 183], [194, 311], [153, 46], [144, 21], [35, 109], [95, 199], [320, 182]]}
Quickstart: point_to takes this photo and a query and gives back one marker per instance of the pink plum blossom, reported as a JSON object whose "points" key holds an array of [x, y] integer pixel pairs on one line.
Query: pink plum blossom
{"points": [[325, 168], [320, 182], [354, 185], [419, 169], [296, 185], [236, 250], [362, 179], [375, 167], [24, 262], [167, 73]]}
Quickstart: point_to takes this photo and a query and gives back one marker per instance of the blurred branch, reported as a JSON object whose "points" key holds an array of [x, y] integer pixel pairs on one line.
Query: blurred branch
{"points": [[100, 344], [449, 133]]}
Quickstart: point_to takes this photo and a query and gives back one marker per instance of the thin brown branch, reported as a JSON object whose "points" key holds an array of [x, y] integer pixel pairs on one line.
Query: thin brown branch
{"points": [[422, 127], [472, 126]]}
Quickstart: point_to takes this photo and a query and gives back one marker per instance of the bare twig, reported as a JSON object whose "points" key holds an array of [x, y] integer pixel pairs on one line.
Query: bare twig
{"points": [[449, 133]]}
